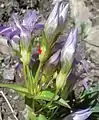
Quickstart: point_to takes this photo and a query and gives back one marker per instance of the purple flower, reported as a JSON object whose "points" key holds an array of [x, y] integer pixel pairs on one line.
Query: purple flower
{"points": [[68, 50], [59, 43], [22, 29], [79, 115], [51, 64], [5, 31], [30, 21]]}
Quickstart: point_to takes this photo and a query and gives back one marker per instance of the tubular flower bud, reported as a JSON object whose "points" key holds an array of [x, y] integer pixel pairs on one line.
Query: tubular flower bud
{"points": [[67, 57], [68, 50], [51, 65], [56, 21]]}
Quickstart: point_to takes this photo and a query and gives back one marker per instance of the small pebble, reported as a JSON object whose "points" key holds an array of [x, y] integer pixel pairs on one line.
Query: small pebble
{"points": [[2, 5], [16, 97]]}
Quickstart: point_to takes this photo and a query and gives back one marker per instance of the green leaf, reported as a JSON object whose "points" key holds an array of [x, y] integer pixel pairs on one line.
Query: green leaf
{"points": [[42, 117], [90, 91], [18, 88], [32, 116], [95, 109], [63, 103], [46, 95]]}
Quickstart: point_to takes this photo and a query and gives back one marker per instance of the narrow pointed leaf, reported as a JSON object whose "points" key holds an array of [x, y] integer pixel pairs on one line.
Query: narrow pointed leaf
{"points": [[18, 88], [63, 103], [91, 91]]}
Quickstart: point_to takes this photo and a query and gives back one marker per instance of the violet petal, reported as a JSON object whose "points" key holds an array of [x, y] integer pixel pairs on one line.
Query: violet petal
{"points": [[5, 31], [79, 115], [39, 26], [54, 59], [68, 50], [30, 20]]}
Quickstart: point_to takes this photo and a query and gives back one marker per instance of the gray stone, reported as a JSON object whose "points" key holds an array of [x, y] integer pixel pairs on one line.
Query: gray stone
{"points": [[93, 36], [93, 51], [83, 12], [16, 97], [80, 13], [4, 48], [8, 74]]}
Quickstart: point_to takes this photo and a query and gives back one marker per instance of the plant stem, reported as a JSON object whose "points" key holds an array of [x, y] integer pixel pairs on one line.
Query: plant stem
{"points": [[53, 113], [37, 73], [49, 83], [25, 74], [33, 105], [30, 82]]}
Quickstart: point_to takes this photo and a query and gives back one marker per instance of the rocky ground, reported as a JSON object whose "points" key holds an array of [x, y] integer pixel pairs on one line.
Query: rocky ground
{"points": [[88, 12]]}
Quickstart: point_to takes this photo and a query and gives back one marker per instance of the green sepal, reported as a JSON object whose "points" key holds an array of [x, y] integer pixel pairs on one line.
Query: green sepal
{"points": [[44, 42], [31, 45], [22, 45], [44, 47]]}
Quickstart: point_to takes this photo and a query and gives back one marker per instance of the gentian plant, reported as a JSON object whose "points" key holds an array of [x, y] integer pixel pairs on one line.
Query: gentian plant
{"points": [[45, 86]]}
